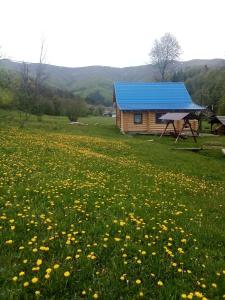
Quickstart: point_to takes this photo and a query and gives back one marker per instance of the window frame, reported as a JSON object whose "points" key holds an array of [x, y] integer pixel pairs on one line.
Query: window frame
{"points": [[141, 118], [157, 116]]}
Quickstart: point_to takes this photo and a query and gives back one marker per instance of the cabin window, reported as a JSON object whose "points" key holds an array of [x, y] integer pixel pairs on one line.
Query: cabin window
{"points": [[157, 118], [138, 118]]}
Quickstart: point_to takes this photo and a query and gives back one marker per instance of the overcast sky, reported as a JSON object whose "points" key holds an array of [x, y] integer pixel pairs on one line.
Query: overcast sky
{"points": [[109, 32]]}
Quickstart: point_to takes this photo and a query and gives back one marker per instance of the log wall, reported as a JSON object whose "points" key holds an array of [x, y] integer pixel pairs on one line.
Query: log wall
{"points": [[125, 121]]}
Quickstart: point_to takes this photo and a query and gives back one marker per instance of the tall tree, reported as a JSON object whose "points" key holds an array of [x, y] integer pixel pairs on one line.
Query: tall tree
{"points": [[165, 51], [24, 94], [39, 81]]}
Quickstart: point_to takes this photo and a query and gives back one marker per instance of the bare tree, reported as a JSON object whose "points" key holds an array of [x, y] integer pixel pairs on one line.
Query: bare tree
{"points": [[40, 78], [164, 52], [24, 94]]}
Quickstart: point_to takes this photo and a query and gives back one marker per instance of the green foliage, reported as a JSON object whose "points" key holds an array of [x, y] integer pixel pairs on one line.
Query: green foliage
{"points": [[75, 108], [6, 98], [206, 86], [221, 106]]}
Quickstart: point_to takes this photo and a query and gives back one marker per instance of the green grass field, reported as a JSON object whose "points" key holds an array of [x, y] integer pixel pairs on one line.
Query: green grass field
{"points": [[89, 213]]}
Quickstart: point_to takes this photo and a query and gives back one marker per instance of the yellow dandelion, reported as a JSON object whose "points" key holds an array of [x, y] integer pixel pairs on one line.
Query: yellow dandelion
{"points": [[26, 284], [37, 293], [48, 271], [34, 280], [39, 262], [14, 278], [198, 294], [22, 273], [160, 283], [95, 296], [141, 294], [9, 242], [67, 274], [56, 266], [138, 281]]}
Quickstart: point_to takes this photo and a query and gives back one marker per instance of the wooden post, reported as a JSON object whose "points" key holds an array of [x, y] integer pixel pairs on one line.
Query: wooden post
{"points": [[180, 131], [174, 128], [187, 121], [165, 128]]}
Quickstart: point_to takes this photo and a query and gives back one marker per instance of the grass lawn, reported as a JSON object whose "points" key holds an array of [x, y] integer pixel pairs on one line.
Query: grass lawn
{"points": [[89, 213]]}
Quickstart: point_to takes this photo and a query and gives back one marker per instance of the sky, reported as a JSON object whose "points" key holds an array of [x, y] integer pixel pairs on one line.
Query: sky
{"points": [[116, 33]]}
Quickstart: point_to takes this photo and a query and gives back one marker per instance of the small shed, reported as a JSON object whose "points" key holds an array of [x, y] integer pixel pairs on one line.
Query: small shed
{"points": [[170, 118], [220, 124]]}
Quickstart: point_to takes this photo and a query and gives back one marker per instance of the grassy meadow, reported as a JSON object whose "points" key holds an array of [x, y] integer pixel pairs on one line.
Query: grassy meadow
{"points": [[89, 213]]}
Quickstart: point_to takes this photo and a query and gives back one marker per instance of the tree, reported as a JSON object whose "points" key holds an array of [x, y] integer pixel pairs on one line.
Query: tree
{"points": [[221, 105], [24, 94], [40, 78], [164, 52], [76, 108]]}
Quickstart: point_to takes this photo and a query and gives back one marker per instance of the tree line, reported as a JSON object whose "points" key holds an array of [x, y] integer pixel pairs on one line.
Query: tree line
{"points": [[31, 95]]}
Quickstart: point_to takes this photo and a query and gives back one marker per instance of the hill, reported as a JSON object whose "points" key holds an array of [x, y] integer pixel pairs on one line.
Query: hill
{"points": [[95, 82]]}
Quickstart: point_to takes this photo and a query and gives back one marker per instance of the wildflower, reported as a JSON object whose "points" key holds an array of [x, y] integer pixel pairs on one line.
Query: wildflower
{"points": [[34, 280], [67, 274], [37, 293], [138, 281], [183, 296], [56, 266], [95, 296], [198, 294], [14, 278], [123, 277], [9, 242], [26, 284], [43, 248], [39, 262], [160, 283], [48, 271], [22, 273], [214, 285]]}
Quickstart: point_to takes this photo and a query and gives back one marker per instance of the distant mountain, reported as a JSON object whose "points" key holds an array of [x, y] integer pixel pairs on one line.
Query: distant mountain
{"points": [[97, 81]]}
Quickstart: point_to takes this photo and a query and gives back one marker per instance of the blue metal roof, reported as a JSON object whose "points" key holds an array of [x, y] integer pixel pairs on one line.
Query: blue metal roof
{"points": [[153, 96]]}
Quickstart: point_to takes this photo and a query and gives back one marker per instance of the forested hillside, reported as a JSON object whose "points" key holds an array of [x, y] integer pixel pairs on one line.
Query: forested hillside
{"points": [[205, 80]]}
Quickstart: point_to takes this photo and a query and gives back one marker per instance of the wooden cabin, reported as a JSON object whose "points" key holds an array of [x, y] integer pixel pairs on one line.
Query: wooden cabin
{"points": [[139, 106]]}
